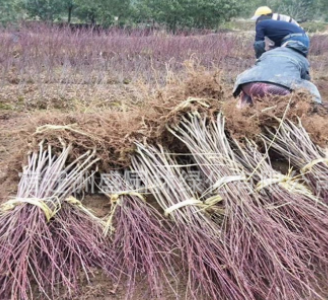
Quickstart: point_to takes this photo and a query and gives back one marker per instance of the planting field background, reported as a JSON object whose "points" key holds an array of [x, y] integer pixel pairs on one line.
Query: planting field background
{"points": [[48, 71], [51, 68]]}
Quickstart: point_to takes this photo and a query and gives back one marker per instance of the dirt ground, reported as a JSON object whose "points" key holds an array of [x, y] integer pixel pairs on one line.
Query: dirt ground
{"points": [[100, 288]]}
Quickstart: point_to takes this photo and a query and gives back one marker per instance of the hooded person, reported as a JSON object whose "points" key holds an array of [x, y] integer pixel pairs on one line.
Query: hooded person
{"points": [[278, 28], [277, 72]]}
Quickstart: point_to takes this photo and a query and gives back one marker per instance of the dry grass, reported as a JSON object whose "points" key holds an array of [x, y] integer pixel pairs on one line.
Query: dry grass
{"points": [[112, 130]]}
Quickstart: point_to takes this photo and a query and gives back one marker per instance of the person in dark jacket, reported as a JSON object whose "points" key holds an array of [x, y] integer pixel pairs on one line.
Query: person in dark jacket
{"points": [[277, 72], [278, 32]]}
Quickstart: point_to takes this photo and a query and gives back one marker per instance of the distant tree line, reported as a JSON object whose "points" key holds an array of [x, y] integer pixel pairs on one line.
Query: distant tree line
{"points": [[301, 10], [172, 14]]}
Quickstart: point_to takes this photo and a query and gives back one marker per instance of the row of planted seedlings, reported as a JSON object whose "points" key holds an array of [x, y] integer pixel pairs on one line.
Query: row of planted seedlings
{"points": [[247, 232]]}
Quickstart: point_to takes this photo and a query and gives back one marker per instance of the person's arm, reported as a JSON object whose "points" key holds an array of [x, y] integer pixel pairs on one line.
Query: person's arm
{"points": [[313, 91], [259, 44], [305, 72], [311, 88], [307, 76]]}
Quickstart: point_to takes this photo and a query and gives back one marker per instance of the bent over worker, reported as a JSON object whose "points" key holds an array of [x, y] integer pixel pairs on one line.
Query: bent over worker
{"points": [[277, 72], [278, 28], [279, 32]]}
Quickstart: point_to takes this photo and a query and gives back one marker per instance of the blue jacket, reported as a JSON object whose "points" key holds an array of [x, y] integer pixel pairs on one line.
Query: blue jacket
{"points": [[284, 66], [275, 30]]}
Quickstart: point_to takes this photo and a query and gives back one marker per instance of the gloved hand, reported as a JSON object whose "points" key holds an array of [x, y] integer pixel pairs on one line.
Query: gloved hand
{"points": [[272, 46], [259, 48]]}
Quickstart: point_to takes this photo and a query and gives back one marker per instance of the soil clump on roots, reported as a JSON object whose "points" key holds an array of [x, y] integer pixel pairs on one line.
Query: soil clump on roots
{"points": [[113, 133]]}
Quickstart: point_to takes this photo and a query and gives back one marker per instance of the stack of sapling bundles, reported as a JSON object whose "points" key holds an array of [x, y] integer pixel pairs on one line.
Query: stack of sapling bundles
{"points": [[294, 144], [272, 255], [47, 238], [142, 239], [204, 263], [293, 205]]}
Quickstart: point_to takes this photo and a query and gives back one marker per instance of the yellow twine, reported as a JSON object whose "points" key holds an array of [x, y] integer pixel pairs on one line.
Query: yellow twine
{"points": [[73, 201], [114, 199], [287, 182], [182, 204], [189, 101], [213, 200], [228, 179], [310, 165], [50, 127], [41, 203], [210, 202]]}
